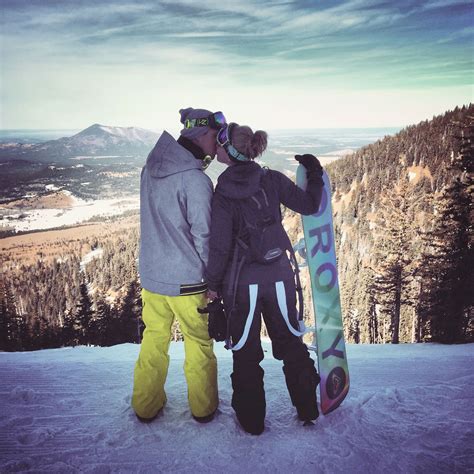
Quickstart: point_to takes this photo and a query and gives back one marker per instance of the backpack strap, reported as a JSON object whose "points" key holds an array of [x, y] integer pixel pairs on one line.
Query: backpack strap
{"points": [[299, 288], [233, 292], [238, 261], [236, 265]]}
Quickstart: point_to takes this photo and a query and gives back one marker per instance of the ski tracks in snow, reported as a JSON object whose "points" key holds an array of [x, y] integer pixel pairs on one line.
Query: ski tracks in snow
{"points": [[409, 409]]}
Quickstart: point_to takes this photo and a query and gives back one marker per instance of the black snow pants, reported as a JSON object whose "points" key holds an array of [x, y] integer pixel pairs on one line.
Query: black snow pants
{"points": [[276, 302]]}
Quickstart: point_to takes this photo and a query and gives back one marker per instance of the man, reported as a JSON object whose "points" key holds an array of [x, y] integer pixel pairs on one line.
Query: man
{"points": [[175, 202]]}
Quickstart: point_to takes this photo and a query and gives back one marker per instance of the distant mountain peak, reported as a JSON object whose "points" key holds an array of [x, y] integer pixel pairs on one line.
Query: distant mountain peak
{"points": [[121, 134], [97, 139], [94, 129]]}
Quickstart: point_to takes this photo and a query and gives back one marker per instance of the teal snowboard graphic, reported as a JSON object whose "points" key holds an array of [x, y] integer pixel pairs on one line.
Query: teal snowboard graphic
{"points": [[328, 334]]}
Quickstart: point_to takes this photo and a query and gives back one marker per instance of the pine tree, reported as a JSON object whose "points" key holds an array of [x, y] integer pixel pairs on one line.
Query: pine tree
{"points": [[67, 333], [354, 327], [131, 313], [3, 318], [99, 325], [11, 324], [393, 267], [369, 289], [82, 316], [373, 324], [449, 257]]}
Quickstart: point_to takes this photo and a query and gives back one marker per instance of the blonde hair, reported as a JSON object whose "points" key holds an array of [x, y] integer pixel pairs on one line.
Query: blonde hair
{"points": [[247, 142]]}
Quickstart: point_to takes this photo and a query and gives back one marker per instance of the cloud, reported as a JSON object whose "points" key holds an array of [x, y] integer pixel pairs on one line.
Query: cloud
{"points": [[171, 46], [445, 4]]}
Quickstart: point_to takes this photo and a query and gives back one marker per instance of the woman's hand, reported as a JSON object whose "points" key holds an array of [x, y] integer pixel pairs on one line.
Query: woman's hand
{"points": [[310, 162]]}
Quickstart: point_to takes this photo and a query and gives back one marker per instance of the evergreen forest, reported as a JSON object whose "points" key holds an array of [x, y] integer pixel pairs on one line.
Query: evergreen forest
{"points": [[403, 213]]}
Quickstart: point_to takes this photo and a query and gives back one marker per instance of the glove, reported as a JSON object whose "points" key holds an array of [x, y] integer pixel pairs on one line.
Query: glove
{"points": [[217, 322], [311, 163]]}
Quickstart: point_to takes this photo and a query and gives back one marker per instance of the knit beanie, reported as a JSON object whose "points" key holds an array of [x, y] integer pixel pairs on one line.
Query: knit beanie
{"points": [[190, 113]]}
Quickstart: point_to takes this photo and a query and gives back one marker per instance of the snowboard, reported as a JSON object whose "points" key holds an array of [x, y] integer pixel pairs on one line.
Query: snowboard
{"points": [[328, 334]]}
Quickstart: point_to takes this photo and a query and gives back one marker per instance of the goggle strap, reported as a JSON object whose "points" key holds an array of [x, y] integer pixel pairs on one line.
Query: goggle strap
{"points": [[197, 122], [209, 121], [234, 153]]}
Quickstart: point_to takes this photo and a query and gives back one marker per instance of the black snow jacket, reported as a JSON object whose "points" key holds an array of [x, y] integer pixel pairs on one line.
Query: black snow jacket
{"points": [[241, 181]]}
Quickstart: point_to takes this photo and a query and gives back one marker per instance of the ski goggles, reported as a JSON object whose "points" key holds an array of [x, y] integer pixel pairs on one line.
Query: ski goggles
{"points": [[223, 140], [215, 121]]}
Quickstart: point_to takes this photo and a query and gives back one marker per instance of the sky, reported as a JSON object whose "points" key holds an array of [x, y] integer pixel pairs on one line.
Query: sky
{"points": [[267, 64]]}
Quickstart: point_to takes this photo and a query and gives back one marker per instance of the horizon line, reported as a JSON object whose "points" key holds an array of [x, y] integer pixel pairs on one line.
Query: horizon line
{"points": [[154, 129]]}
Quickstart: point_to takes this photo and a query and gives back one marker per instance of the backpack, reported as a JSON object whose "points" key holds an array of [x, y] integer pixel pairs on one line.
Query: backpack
{"points": [[261, 238]]}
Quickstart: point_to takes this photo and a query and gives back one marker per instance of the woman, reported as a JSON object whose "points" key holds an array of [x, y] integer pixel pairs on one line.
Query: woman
{"points": [[250, 285]]}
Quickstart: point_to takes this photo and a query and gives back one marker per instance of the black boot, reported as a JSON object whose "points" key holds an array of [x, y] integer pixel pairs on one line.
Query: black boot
{"points": [[302, 388], [205, 419], [308, 411], [149, 420], [248, 401], [254, 426]]}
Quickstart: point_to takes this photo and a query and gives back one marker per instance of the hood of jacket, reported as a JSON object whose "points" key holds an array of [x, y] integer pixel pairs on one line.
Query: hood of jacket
{"points": [[240, 181], [169, 157]]}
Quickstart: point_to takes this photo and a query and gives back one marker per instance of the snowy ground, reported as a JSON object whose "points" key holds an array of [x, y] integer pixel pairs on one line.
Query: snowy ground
{"points": [[81, 211], [410, 409]]}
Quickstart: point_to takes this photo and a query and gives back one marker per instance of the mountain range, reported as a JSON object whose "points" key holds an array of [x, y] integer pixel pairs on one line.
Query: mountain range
{"points": [[94, 141]]}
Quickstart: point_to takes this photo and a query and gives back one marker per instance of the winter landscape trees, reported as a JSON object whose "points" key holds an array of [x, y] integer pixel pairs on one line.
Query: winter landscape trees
{"points": [[403, 213], [66, 303], [404, 208]]}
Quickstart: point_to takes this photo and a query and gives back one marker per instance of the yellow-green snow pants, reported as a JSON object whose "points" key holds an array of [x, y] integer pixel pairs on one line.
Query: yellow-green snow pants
{"points": [[200, 365]]}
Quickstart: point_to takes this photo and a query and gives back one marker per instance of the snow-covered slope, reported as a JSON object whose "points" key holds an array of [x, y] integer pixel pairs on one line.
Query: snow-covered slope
{"points": [[410, 409], [100, 135]]}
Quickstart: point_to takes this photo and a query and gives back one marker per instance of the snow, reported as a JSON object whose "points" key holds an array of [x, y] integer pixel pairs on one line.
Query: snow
{"points": [[410, 409], [51, 187], [416, 173], [129, 133], [343, 152], [93, 254], [325, 158], [97, 157], [80, 211]]}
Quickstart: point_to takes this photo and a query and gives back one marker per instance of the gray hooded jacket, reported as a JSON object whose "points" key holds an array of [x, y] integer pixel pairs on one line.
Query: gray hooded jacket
{"points": [[175, 210]]}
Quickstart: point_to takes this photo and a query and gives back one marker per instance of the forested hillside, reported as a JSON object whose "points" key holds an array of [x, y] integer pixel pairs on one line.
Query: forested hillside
{"points": [[68, 300], [403, 223], [403, 210]]}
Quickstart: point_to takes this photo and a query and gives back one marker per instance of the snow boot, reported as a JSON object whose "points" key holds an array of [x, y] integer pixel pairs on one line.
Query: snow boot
{"points": [[250, 424], [248, 400], [205, 419], [302, 390], [308, 412], [149, 420], [146, 420]]}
